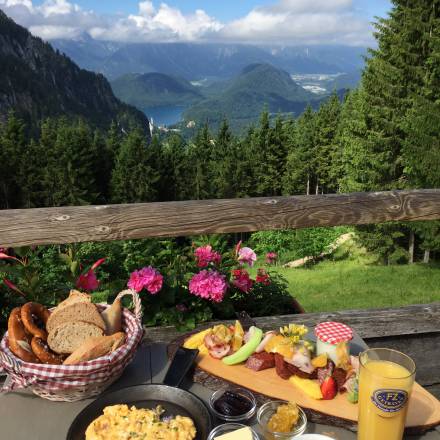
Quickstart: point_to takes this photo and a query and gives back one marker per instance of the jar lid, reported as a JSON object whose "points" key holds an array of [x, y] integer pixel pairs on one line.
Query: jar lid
{"points": [[333, 332]]}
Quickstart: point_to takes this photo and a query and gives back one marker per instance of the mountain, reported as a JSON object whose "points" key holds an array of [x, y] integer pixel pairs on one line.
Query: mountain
{"points": [[37, 82], [154, 89], [243, 97], [197, 61]]}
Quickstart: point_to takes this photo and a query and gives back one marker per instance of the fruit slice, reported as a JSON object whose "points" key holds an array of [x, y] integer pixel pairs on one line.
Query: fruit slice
{"points": [[203, 349], [274, 341], [196, 340], [244, 352], [308, 386], [320, 361], [237, 338], [329, 388]]}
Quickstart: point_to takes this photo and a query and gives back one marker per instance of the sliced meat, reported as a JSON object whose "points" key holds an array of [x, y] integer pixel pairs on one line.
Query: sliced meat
{"points": [[281, 367], [340, 376], [220, 351], [295, 371], [326, 371], [261, 361]]}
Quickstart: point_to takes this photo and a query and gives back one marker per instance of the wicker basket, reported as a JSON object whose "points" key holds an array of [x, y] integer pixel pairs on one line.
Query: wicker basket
{"points": [[69, 383]]}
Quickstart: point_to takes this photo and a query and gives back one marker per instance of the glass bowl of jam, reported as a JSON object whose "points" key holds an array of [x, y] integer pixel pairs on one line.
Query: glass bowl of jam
{"points": [[273, 414], [233, 404]]}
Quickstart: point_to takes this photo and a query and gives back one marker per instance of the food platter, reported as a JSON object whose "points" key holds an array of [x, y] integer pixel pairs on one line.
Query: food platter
{"points": [[175, 401], [423, 413]]}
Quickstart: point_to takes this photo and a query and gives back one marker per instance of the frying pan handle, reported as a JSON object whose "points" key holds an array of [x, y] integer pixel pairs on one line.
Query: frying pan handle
{"points": [[180, 365]]}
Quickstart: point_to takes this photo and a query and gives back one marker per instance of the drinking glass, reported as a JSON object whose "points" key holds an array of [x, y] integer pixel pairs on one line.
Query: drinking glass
{"points": [[385, 383]]}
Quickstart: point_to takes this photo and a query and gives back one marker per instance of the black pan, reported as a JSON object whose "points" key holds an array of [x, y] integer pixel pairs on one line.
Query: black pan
{"points": [[174, 400]]}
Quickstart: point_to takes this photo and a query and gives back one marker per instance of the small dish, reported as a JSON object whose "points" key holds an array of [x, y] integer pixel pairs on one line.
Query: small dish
{"points": [[268, 410], [313, 437], [230, 427], [236, 390]]}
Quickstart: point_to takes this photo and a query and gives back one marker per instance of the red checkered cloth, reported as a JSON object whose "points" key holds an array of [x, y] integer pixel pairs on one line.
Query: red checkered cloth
{"points": [[333, 332], [65, 377]]}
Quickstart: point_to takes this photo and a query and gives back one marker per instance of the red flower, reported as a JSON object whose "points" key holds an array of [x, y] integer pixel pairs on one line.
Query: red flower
{"points": [[262, 277], [241, 280], [87, 281]]}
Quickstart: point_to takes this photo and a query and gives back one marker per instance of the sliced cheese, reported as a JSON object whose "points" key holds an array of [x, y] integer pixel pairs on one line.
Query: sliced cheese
{"points": [[239, 434]]}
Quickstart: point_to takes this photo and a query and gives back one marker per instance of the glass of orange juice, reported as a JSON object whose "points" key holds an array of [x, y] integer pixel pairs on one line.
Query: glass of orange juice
{"points": [[385, 381]]}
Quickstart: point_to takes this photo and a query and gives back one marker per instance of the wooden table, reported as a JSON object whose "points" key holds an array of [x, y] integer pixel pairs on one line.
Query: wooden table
{"points": [[24, 416]]}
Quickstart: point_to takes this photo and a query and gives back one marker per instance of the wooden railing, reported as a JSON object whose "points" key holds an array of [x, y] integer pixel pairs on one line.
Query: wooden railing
{"points": [[19, 227]]}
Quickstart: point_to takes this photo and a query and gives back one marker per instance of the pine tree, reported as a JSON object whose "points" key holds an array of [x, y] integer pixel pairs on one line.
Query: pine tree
{"points": [[260, 145], [134, 179], [12, 147], [222, 163], [198, 165], [326, 126], [300, 166]]}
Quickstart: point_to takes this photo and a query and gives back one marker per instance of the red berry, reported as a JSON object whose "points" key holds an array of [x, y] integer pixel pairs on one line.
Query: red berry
{"points": [[329, 388]]}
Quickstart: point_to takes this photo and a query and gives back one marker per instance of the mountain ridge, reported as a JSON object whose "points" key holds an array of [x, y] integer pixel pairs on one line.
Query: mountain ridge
{"points": [[36, 82], [154, 89]]}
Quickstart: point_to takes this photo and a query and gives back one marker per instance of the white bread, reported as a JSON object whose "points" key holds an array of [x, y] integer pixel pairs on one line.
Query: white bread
{"points": [[77, 310], [113, 317], [95, 347], [70, 335]]}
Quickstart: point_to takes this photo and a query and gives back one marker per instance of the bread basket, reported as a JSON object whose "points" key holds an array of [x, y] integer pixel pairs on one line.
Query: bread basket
{"points": [[70, 383]]}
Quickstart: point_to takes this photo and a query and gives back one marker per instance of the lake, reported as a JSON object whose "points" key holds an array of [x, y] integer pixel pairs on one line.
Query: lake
{"points": [[165, 114]]}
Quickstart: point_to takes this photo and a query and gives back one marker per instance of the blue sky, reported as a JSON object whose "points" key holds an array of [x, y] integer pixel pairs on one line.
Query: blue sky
{"points": [[274, 22], [224, 10]]}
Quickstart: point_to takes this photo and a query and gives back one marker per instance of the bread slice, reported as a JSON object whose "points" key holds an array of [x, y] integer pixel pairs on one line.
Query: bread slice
{"points": [[75, 296], [113, 317], [67, 337], [75, 311], [95, 347]]}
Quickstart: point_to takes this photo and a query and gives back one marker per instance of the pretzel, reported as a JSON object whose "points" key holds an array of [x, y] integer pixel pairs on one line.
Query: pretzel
{"points": [[19, 340], [44, 353], [29, 312]]}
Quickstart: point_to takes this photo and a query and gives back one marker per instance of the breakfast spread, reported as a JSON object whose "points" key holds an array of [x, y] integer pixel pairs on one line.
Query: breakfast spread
{"points": [[320, 370], [119, 422], [75, 331]]}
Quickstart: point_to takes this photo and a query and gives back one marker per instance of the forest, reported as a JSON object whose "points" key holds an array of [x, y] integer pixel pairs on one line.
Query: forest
{"points": [[384, 135]]}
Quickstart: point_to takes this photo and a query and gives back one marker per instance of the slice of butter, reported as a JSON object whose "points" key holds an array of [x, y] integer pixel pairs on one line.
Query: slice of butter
{"points": [[239, 434]]}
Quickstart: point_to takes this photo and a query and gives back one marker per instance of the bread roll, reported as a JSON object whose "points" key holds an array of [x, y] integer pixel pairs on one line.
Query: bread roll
{"points": [[113, 317], [95, 347], [75, 311], [70, 335]]}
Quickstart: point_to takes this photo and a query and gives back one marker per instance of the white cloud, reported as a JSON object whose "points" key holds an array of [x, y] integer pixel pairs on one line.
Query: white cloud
{"points": [[284, 22]]}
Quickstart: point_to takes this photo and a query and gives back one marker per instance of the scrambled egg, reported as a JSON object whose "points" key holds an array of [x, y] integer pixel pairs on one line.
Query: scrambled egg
{"points": [[119, 422]]}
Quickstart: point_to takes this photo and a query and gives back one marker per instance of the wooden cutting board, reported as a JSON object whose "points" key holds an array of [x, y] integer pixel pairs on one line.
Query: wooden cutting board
{"points": [[423, 413]]}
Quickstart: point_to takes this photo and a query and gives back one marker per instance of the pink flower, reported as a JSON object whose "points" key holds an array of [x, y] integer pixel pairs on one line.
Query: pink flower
{"points": [[247, 255], [205, 255], [208, 284], [262, 277], [148, 278], [87, 281], [241, 280], [271, 257], [3, 251]]}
